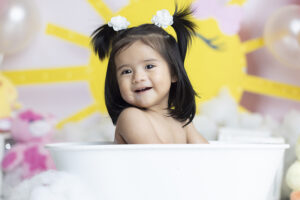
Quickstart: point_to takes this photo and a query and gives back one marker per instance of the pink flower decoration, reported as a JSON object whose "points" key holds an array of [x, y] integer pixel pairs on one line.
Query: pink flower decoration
{"points": [[228, 17], [30, 116]]}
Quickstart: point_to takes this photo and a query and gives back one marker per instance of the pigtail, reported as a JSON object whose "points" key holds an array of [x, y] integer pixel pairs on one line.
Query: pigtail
{"points": [[184, 29], [101, 40], [184, 100]]}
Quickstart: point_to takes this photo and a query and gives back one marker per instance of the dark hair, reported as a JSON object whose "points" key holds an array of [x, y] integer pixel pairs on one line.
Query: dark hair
{"points": [[181, 103]]}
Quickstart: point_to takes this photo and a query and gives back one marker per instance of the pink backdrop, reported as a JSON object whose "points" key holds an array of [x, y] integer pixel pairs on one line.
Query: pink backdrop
{"points": [[262, 63]]}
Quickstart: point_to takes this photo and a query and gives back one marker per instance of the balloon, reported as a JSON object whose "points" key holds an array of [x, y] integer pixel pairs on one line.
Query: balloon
{"points": [[1, 58], [282, 35], [19, 21]]}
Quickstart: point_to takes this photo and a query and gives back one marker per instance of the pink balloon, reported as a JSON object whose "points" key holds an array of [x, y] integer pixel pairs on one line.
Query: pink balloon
{"points": [[282, 35]]}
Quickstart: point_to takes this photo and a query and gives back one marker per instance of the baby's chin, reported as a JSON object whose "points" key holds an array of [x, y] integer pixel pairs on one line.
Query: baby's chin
{"points": [[139, 103], [142, 106]]}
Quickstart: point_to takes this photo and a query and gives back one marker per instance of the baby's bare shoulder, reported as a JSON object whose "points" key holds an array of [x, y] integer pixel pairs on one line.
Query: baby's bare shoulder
{"points": [[135, 127], [132, 112]]}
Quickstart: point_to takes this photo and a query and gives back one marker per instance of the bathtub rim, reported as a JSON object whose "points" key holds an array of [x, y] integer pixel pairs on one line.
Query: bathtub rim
{"points": [[79, 146]]}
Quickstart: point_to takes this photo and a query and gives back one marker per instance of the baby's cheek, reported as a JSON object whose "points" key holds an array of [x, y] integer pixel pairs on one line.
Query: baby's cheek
{"points": [[163, 82], [122, 87], [124, 90]]}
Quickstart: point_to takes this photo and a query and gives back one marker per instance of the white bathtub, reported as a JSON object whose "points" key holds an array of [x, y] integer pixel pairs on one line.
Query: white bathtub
{"points": [[175, 172]]}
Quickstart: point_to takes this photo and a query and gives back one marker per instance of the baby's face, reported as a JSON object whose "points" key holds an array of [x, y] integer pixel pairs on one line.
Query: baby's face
{"points": [[143, 76]]}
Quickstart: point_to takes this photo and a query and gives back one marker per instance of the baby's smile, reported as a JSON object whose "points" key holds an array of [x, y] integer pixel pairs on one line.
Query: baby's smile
{"points": [[144, 89]]}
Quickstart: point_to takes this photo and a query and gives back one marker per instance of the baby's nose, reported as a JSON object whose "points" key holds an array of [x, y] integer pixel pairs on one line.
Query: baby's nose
{"points": [[139, 76]]}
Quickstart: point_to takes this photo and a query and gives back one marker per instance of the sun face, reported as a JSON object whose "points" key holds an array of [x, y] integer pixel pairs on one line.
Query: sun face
{"points": [[209, 69]]}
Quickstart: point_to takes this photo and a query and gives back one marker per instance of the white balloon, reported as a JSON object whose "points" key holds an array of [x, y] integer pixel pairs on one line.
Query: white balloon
{"points": [[293, 176], [282, 35], [1, 58], [19, 22]]}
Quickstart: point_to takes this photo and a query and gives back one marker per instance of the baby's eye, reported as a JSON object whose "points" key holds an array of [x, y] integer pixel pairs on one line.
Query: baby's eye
{"points": [[149, 66], [126, 71]]}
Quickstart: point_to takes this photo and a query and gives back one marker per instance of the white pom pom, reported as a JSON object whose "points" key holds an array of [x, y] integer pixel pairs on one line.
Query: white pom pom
{"points": [[118, 23], [162, 18]]}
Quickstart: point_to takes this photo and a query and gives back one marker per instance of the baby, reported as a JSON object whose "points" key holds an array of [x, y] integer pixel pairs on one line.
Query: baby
{"points": [[148, 94]]}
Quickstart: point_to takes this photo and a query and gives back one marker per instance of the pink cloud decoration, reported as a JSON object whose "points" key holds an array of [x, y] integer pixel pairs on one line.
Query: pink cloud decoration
{"points": [[228, 17]]}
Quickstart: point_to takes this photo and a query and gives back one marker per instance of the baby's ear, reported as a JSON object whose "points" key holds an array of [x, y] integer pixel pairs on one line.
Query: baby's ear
{"points": [[174, 78]]}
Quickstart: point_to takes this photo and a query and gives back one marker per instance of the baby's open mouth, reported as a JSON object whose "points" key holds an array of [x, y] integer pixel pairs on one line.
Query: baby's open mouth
{"points": [[143, 89]]}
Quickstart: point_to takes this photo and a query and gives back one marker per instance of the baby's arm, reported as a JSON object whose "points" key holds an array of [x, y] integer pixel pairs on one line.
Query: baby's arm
{"points": [[135, 128], [193, 136]]}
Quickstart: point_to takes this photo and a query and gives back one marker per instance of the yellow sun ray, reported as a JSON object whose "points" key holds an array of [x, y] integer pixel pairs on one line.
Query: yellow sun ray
{"points": [[272, 88], [71, 36], [252, 45], [79, 115], [209, 69], [237, 2], [53, 75]]}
